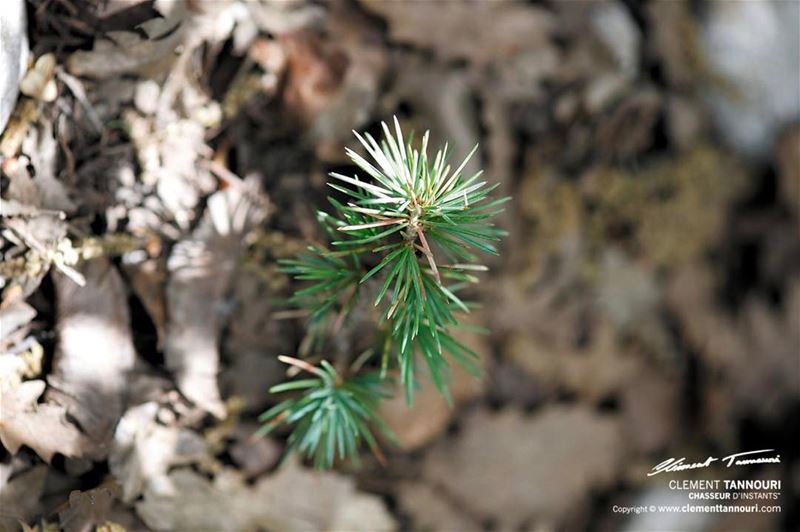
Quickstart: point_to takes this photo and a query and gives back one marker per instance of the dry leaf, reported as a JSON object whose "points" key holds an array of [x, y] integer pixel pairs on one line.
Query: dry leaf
{"points": [[355, 99], [511, 468], [334, 503], [730, 345], [19, 497], [95, 350], [148, 280], [42, 427], [443, 97], [252, 343], [543, 325], [13, 317], [458, 30], [254, 456], [420, 423], [167, 154], [649, 403], [143, 451], [594, 373], [125, 52], [293, 498], [42, 147], [31, 215], [430, 510], [201, 270], [315, 71], [87, 510], [363, 513], [41, 193], [20, 353]]}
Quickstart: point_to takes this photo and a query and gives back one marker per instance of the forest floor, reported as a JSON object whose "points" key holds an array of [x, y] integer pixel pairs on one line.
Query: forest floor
{"points": [[646, 303]]}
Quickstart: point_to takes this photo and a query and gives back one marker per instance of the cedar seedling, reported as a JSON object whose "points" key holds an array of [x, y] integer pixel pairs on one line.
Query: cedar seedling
{"points": [[410, 226]]}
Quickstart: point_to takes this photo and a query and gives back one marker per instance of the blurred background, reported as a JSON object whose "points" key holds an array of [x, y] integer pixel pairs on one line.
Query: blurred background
{"points": [[645, 305]]}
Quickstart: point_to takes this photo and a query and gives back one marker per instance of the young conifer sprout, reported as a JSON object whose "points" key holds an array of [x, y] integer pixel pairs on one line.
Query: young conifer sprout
{"points": [[410, 226]]}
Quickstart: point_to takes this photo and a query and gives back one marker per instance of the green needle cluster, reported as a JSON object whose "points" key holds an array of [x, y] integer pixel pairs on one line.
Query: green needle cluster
{"points": [[412, 225], [331, 416]]}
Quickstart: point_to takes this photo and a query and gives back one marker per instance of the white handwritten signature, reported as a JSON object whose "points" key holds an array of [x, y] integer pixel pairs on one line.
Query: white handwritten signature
{"points": [[672, 465]]}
